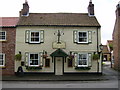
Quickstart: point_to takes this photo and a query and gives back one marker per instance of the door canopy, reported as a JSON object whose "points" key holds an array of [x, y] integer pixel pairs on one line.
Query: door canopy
{"points": [[59, 53]]}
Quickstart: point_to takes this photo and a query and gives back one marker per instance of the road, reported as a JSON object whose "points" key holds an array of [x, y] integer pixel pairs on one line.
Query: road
{"points": [[112, 83], [60, 84]]}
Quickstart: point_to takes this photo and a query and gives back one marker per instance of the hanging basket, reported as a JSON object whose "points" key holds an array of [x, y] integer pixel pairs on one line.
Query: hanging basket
{"points": [[18, 57], [96, 57]]}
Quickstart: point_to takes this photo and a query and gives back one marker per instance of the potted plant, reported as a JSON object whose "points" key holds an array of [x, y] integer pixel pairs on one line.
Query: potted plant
{"points": [[18, 57], [96, 56]]}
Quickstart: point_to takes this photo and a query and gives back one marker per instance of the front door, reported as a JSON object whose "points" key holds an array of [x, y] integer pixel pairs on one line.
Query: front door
{"points": [[58, 66]]}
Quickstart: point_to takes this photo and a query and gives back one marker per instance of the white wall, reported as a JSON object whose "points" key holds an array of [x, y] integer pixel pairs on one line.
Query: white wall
{"points": [[49, 38]]}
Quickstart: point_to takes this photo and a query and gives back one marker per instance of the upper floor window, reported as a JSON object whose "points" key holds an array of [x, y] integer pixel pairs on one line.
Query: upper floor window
{"points": [[82, 36], [34, 36], [2, 35], [2, 59]]}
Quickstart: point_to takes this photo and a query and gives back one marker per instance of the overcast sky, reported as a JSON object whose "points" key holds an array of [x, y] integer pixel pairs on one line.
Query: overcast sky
{"points": [[104, 10]]}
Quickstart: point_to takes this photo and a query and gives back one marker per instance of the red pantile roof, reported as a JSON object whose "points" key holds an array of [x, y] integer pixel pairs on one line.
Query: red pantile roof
{"points": [[105, 49], [61, 19], [110, 41], [8, 21]]}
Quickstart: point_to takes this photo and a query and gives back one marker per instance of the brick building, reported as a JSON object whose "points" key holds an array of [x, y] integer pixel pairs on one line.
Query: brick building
{"points": [[116, 39], [7, 44]]}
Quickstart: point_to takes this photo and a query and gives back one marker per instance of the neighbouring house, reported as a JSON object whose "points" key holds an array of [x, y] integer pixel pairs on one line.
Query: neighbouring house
{"points": [[106, 53], [110, 45], [116, 39], [7, 44], [58, 43], [107, 50]]}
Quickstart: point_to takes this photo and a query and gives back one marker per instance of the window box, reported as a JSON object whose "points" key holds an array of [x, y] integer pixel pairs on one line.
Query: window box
{"points": [[33, 68], [82, 68]]}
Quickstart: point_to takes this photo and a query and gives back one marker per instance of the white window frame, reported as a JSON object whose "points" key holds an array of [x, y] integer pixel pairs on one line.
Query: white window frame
{"points": [[86, 60], [30, 37], [3, 59], [38, 59], [78, 36], [2, 35]]}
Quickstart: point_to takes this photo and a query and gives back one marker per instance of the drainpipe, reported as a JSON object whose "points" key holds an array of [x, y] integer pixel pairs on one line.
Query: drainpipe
{"points": [[97, 50]]}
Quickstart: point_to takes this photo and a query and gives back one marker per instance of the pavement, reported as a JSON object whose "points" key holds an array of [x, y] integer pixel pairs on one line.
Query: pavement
{"points": [[108, 74]]}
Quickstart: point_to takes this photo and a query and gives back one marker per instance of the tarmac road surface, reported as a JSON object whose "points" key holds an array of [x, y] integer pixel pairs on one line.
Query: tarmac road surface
{"points": [[60, 84]]}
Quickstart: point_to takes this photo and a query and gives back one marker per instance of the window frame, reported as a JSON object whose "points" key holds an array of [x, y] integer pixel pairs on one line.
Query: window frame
{"points": [[79, 36], [35, 41], [86, 60], [3, 59], [4, 35], [38, 60]]}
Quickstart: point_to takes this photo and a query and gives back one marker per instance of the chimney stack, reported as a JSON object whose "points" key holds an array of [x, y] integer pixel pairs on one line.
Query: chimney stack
{"points": [[91, 9], [25, 10]]}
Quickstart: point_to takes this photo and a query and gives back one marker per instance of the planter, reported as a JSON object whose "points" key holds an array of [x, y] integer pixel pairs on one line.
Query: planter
{"points": [[33, 68], [82, 68]]}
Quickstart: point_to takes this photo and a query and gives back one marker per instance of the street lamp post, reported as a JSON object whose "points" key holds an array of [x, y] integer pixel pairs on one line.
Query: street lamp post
{"points": [[100, 54]]}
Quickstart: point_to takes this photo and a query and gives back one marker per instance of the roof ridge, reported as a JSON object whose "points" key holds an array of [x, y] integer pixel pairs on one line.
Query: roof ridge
{"points": [[59, 13]]}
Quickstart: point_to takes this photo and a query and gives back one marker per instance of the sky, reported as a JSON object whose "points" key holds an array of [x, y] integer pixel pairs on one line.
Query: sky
{"points": [[104, 10]]}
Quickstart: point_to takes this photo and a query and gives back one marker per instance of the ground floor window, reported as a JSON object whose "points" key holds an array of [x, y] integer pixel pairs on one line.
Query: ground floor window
{"points": [[33, 59], [82, 60], [2, 59], [47, 62]]}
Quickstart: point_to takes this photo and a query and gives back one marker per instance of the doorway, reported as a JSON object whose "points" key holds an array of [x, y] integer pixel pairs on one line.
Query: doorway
{"points": [[58, 65]]}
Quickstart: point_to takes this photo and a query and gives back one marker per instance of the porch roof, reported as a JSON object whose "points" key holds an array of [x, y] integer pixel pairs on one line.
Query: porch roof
{"points": [[59, 53]]}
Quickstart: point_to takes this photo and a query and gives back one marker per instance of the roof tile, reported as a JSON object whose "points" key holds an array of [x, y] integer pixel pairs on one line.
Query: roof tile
{"points": [[8, 21], [71, 19]]}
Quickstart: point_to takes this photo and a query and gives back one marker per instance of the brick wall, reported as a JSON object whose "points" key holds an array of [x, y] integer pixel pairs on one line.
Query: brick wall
{"points": [[116, 41], [8, 47]]}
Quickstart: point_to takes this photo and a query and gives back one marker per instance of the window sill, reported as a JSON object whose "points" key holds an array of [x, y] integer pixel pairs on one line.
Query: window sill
{"points": [[47, 67], [34, 42], [3, 40], [82, 42], [3, 67]]}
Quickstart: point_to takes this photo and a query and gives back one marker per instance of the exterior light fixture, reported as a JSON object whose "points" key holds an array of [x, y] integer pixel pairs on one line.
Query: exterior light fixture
{"points": [[101, 47]]}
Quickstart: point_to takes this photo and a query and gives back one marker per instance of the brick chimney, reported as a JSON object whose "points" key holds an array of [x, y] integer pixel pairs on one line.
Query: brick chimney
{"points": [[118, 10], [25, 10], [91, 9]]}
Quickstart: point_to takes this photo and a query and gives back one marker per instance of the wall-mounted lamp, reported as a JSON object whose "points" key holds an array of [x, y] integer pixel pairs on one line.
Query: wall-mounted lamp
{"points": [[101, 47], [19, 52]]}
